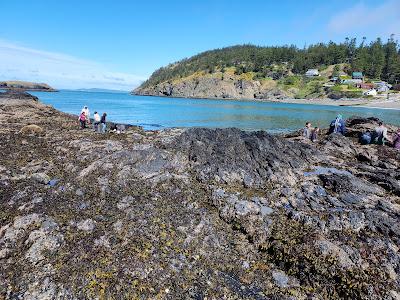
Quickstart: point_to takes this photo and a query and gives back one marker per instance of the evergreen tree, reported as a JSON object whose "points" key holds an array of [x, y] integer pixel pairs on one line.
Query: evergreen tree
{"points": [[391, 70], [376, 60]]}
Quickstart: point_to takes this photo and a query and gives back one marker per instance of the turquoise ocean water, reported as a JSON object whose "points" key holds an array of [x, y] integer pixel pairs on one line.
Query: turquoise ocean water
{"points": [[160, 112]]}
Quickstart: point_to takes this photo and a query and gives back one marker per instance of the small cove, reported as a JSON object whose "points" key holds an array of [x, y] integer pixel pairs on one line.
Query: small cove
{"points": [[155, 113]]}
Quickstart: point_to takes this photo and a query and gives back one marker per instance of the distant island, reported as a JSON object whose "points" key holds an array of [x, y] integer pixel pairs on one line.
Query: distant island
{"points": [[344, 70], [98, 90], [25, 85]]}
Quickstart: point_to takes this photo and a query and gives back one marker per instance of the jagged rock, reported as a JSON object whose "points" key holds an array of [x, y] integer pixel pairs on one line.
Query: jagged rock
{"points": [[31, 129], [281, 279], [232, 155], [42, 241], [328, 248], [86, 225], [21, 223], [125, 202], [41, 178]]}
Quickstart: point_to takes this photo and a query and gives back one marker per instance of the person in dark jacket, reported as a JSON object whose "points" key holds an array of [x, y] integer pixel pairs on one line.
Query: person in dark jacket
{"points": [[396, 140], [103, 123], [314, 134], [338, 126]]}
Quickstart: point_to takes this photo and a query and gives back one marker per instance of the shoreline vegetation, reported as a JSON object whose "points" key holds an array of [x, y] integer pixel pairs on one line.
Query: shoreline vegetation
{"points": [[184, 213]]}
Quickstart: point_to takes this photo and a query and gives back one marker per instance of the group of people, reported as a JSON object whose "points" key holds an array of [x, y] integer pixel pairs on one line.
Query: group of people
{"points": [[99, 123], [311, 133], [378, 136]]}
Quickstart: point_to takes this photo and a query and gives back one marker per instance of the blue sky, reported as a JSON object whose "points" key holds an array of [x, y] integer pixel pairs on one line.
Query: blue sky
{"points": [[117, 44]]}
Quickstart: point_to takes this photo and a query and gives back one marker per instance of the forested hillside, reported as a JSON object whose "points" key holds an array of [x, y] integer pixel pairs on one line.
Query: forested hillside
{"points": [[376, 59]]}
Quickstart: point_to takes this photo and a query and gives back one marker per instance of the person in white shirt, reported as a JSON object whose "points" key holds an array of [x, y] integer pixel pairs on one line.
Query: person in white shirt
{"points": [[85, 110], [380, 134], [96, 122]]}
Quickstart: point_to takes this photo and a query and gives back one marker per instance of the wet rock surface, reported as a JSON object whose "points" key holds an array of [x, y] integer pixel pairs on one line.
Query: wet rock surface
{"points": [[193, 214]]}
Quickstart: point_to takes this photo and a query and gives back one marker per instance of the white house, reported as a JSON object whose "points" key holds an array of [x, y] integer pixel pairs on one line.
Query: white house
{"points": [[351, 81], [382, 86], [312, 73], [371, 92]]}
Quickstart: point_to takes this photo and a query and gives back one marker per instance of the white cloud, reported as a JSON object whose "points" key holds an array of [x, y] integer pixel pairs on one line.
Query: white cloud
{"points": [[379, 20], [59, 70]]}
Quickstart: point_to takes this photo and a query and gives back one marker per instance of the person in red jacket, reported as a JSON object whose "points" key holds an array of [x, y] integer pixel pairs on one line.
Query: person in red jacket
{"points": [[82, 120]]}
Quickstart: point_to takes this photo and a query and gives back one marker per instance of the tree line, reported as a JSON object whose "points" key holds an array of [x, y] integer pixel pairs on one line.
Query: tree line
{"points": [[376, 59]]}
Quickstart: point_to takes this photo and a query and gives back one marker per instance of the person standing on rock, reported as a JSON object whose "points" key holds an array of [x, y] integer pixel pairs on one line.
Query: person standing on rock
{"points": [[82, 120], [85, 110], [338, 126], [103, 122], [314, 134], [96, 122], [307, 130]]}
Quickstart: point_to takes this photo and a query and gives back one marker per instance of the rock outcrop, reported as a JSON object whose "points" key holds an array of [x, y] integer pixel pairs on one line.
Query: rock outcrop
{"points": [[193, 214], [213, 88], [26, 86]]}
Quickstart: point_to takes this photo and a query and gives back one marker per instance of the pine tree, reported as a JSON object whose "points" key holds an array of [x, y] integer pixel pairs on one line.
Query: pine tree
{"points": [[391, 69], [377, 61]]}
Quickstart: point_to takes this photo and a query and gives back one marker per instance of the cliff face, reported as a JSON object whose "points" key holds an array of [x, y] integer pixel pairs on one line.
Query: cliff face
{"points": [[196, 213], [205, 87]]}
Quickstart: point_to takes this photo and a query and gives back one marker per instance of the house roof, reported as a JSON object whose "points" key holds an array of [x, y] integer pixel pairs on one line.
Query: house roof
{"points": [[357, 74], [312, 72]]}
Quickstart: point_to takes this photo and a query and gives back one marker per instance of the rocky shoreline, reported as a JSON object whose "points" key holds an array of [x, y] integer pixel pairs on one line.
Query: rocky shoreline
{"points": [[193, 214], [235, 89]]}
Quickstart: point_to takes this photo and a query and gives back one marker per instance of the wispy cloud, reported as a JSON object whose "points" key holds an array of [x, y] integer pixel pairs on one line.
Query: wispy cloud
{"points": [[59, 70], [379, 19]]}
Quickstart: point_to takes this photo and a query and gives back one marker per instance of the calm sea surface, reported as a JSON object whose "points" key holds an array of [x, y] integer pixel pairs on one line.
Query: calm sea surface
{"points": [[160, 112]]}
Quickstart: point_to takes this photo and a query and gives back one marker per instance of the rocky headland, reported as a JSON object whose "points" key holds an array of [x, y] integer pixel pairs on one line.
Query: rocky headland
{"points": [[228, 87], [321, 73], [193, 214], [26, 86]]}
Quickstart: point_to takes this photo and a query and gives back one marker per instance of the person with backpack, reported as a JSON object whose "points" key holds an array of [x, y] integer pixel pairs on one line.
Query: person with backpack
{"points": [[103, 122], [366, 138], [82, 120], [96, 122], [338, 126], [380, 134]]}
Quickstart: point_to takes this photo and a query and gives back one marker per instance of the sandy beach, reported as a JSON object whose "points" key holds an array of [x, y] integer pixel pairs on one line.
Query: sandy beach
{"points": [[381, 103]]}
